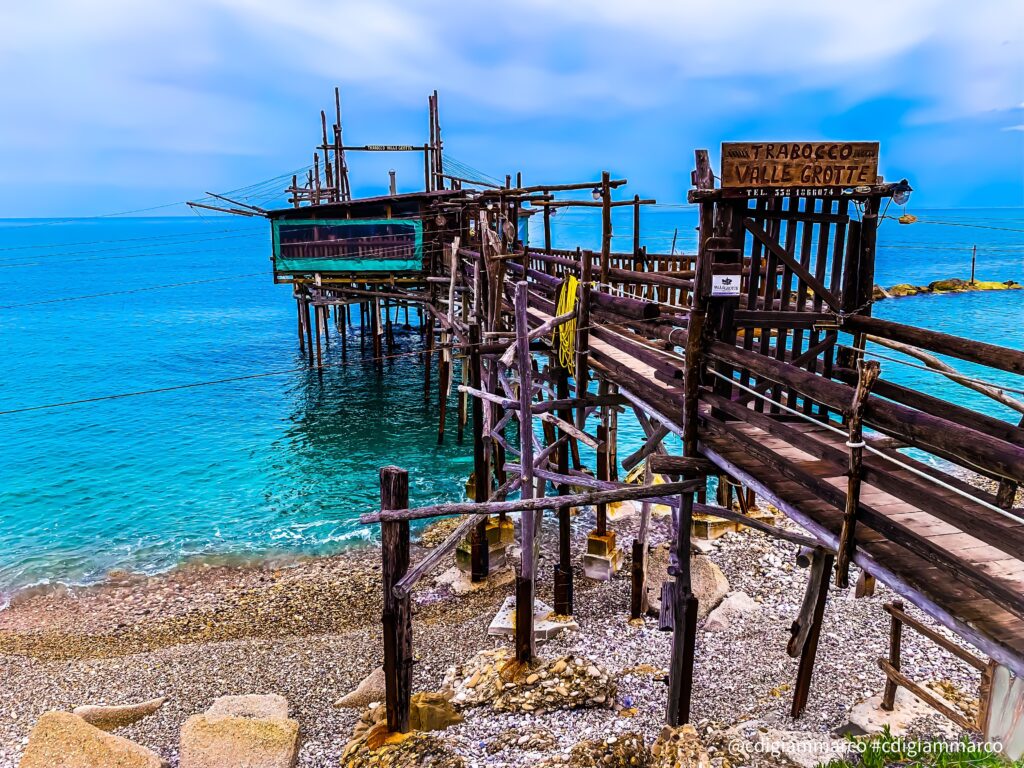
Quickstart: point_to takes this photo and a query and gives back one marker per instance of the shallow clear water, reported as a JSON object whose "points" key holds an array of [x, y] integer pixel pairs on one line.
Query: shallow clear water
{"points": [[284, 464]]}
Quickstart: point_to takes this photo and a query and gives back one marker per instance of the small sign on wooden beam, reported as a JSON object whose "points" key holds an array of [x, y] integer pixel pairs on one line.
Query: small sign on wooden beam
{"points": [[725, 280], [799, 164], [725, 285]]}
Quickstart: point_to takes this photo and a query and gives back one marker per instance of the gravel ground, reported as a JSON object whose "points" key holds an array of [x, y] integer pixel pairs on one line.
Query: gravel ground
{"points": [[310, 632]]}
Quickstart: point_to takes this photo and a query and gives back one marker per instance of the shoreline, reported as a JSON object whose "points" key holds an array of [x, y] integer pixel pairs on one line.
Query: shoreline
{"points": [[243, 560], [311, 632]]}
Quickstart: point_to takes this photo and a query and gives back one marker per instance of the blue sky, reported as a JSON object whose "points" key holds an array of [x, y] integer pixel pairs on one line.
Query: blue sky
{"points": [[112, 105]]}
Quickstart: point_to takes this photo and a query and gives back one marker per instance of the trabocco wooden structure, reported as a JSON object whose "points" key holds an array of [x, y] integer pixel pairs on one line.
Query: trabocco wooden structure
{"points": [[759, 351]]}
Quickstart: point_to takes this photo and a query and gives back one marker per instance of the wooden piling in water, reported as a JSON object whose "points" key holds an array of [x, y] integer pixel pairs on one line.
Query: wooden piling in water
{"points": [[444, 372], [428, 355]]}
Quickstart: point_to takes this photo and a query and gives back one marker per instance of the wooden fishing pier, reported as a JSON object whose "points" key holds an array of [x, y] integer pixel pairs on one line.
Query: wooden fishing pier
{"points": [[753, 351]]}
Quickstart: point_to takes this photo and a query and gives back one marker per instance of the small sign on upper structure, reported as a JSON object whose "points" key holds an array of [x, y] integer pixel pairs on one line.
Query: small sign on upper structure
{"points": [[799, 164]]}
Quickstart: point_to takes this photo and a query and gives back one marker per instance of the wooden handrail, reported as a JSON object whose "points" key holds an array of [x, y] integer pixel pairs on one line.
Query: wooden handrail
{"points": [[917, 428], [993, 356], [529, 505]]}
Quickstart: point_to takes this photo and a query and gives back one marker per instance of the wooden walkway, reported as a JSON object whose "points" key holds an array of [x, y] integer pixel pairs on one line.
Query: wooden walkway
{"points": [[991, 556]]}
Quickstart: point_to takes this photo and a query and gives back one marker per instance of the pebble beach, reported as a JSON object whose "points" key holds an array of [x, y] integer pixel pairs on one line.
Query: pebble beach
{"points": [[309, 630]]}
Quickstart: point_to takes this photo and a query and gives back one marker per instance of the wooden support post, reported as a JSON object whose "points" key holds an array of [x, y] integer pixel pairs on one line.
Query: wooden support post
{"points": [[601, 529], [302, 330], [444, 373], [342, 319], [684, 618], [810, 626], [525, 581], [316, 321], [374, 309], [463, 404], [463, 397], [429, 342], [388, 327], [638, 570], [679, 596], [363, 319], [895, 641], [397, 616], [479, 549], [563, 569], [868, 371], [637, 578], [309, 331]]}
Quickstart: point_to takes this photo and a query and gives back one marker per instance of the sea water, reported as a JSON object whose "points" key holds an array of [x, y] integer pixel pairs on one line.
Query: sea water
{"points": [[281, 460]]}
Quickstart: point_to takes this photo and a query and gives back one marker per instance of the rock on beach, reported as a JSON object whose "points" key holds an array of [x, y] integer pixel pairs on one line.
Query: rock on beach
{"points": [[108, 718], [66, 740]]}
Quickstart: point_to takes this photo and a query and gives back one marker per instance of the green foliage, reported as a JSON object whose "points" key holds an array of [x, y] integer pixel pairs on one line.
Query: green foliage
{"points": [[888, 751]]}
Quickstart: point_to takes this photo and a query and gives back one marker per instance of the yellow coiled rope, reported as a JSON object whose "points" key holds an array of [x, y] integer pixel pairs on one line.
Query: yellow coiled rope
{"points": [[567, 299]]}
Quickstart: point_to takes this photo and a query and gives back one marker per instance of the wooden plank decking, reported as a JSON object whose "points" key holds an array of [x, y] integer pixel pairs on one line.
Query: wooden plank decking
{"points": [[982, 565]]}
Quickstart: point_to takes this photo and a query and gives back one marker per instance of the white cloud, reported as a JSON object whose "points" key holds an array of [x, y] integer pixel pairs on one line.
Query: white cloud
{"points": [[956, 58], [92, 79]]}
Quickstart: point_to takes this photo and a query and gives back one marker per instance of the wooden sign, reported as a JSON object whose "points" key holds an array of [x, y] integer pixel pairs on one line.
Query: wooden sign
{"points": [[799, 164]]}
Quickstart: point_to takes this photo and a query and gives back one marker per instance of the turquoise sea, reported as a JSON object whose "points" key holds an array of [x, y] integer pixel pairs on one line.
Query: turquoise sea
{"points": [[283, 464]]}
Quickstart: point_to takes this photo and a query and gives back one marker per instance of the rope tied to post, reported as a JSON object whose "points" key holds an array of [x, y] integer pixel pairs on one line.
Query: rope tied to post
{"points": [[568, 297]]}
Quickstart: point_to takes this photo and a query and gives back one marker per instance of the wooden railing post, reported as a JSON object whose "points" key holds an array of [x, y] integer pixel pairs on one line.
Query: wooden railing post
{"points": [[895, 639], [606, 226], [583, 334], [397, 616], [636, 228], [1006, 493], [868, 371]]}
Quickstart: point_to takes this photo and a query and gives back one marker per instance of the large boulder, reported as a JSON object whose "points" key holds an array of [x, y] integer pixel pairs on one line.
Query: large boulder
{"points": [[64, 740], [617, 751], [429, 711], [949, 285], [369, 690], [252, 705], [108, 718], [377, 748], [250, 731], [735, 605], [870, 718], [906, 289], [708, 582], [496, 678]]}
